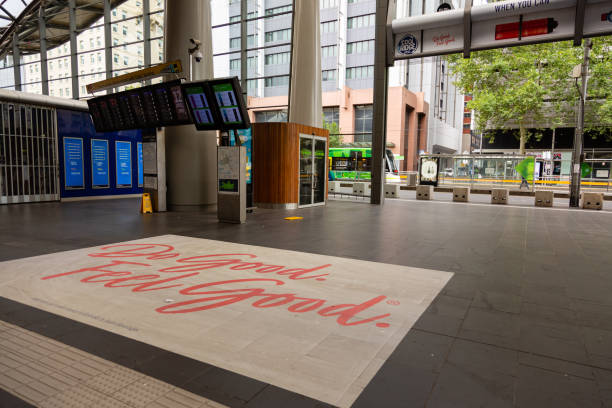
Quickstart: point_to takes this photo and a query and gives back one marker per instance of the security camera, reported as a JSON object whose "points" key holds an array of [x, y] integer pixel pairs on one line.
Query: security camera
{"points": [[198, 56], [194, 41]]}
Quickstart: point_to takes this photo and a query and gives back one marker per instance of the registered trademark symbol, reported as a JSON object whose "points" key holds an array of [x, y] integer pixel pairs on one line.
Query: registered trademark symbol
{"points": [[393, 302]]}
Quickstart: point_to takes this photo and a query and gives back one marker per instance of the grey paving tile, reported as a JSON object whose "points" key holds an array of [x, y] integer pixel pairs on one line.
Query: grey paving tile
{"points": [[536, 387], [492, 327]]}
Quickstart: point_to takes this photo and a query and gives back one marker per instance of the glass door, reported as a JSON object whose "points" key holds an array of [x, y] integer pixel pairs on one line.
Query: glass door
{"points": [[313, 170], [306, 170], [319, 174]]}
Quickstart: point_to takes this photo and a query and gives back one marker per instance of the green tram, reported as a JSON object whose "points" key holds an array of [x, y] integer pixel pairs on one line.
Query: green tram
{"points": [[355, 163]]}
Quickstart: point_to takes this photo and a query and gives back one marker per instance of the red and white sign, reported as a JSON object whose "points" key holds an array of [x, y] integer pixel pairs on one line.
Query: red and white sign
{"points": [[317, 325], [500, 24]]}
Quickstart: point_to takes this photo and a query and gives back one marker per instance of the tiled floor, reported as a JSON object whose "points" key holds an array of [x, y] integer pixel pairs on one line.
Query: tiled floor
{"points": [[525, 321]]}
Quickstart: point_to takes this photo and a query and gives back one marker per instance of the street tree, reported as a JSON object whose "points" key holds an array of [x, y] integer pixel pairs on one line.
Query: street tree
{"points": [[518, 86]]}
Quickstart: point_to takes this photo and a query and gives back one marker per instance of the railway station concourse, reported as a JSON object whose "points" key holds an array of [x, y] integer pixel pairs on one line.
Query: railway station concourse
{"points": [[319, 299]]}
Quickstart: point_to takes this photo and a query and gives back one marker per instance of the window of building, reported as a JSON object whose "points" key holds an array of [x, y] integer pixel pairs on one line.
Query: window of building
{"points": [[360, 72], [363, 123], [271, 116], [116, 57], [61, 92], [251, 41], [139, 35], [81, 44], [123, 14], [360, 47], [91, 42], [92, 58], [278, 35], [277, 10], [160, 57], [115, 27], [361, 21], [467, 115], [329, 4], [98, 42], [280, 58], [332, 115], [277, 81], [329, 26], [235, 64], [124, 30], [329, 75], [126, 60], [115, 42], [329, 51], [466, 126], [114, 12]]}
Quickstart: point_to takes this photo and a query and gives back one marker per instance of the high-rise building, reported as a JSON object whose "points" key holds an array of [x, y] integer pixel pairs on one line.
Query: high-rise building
{"points": [[425, 110], [127, 51]]}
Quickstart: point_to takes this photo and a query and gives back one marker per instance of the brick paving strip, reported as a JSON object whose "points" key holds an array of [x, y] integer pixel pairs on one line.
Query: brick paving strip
{"points": [[50, 374]]}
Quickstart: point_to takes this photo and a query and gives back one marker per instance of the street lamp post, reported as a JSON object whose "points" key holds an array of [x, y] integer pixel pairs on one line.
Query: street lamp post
{"points": [[579, 133]]}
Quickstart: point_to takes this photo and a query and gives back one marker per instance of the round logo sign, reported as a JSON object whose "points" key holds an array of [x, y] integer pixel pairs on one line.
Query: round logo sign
{"points": [[408, 45]]}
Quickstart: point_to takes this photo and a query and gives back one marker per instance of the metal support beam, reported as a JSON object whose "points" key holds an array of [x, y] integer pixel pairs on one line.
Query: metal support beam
{"points": [[577, 157], [579, 22], [379, 108], [108, 40], [74, 61], [42, 29], [146, 32], [16, 62], [243, 48]]}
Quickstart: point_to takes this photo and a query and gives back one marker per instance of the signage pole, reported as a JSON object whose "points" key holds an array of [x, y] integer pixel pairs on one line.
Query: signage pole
{"points": [[579, 133], [379, 106]]}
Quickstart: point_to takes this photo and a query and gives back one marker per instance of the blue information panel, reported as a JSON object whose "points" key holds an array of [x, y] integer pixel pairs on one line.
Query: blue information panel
{"points": [[140, 165], [247, 141], [73, 162], [99, 164], [123, 151]]}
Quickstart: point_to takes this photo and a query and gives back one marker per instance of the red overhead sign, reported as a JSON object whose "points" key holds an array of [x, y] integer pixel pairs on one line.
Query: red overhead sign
{"points": [[495, 25]]}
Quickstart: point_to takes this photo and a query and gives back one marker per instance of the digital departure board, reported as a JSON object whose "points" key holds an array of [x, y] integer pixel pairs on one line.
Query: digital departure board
{"points": [[197, 99], [230, 102], [151, 106], [217, 104]]}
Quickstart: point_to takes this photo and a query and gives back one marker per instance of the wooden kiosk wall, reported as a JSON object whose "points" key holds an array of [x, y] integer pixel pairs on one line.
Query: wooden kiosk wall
{"points": [[276, 159]]}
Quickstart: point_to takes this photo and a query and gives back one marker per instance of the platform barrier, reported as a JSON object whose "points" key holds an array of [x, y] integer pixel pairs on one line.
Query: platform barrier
{"points": [[499, 196], [544, 198], [424, 192], [461, 194], [592, 201]]}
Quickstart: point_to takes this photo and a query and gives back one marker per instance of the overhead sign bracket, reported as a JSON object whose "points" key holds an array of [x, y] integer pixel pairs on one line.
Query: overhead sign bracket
{"points": [[467, 29], [579, 22]]}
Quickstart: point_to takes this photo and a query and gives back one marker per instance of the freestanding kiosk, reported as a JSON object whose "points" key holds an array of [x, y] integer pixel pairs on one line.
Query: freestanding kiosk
{"points": [[290, 165]]}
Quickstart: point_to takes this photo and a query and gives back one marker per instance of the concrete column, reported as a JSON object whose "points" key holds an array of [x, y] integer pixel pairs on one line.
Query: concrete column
{"points": [[191, 156], [305, 99]]}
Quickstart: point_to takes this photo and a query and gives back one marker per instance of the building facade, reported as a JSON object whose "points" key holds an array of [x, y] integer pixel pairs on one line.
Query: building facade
{"points": [[414, 123]]}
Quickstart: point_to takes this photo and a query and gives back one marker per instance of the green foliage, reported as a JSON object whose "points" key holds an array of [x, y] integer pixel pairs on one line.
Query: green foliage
{"points": [[521, 85], [335, 138]]}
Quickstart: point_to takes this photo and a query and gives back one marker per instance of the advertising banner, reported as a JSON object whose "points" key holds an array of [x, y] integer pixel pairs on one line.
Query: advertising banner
{"points": [[123, 154], [140, 164], [73, 163], [99, 164]]}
